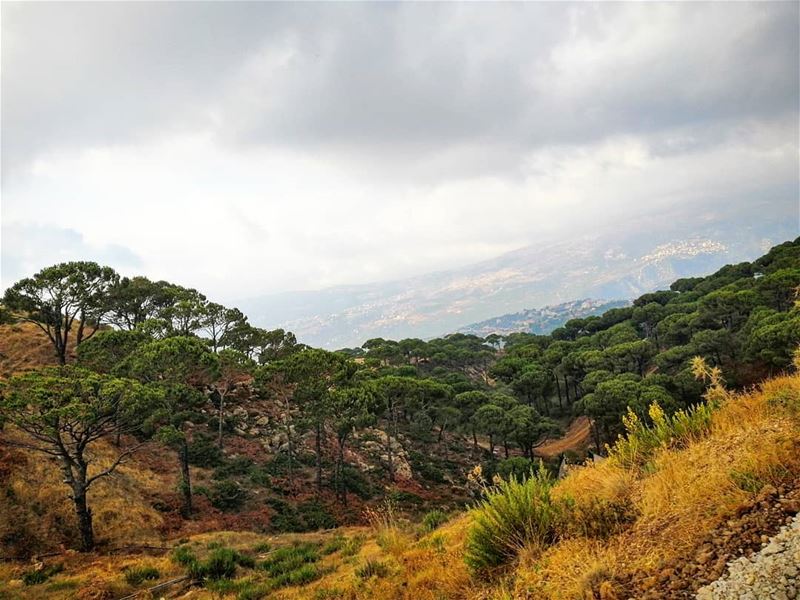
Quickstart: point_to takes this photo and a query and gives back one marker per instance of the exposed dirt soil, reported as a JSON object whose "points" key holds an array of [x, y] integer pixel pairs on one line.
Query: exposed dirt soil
{"points": [[577, 437]]}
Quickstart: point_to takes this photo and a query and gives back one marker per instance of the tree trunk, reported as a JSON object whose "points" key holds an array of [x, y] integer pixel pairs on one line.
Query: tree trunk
{"points": [[505, 448], [318, 448], [389, 456], [566, 389], [558, 390], [474, 439], [340, 474], [84, 515], [186, 483], [221, 420]]}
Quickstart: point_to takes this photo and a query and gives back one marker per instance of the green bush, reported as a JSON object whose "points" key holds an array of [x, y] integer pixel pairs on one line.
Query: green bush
{"points": [[300, 576], [434, 519], [184, 556], [315, 516], [307, 516], [227, 495], [255, 591], [289, 558], [517, 467], [240, 465], [354, 481], [641, 440], [512, 514], [220, 564], [262, 547], [423, 466], [372, 568], [404, 497], [260, 476], [334, 545], [353, 545], [204, 452], [137, 574]]}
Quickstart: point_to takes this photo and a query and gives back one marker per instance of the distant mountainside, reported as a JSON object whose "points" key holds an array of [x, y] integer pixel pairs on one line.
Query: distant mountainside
{"points": [[622, 263], [542, 320]]}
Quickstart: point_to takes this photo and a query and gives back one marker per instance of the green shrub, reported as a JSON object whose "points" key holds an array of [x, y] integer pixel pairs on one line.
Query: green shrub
{"points": [[404, 497], [41, 574], [512, 514], [353, 545], [204, 452], [255, 591], [137, 574], [641, 440], [289, 558], [293, 565], [354, 481], [300, 576], [221, 563], [184, 556], [334, 545], [315, 516], [517, 467], [434, 519], [259, 476], [262, 547], [227, 495], [372, 568], [423, 466], [307, 516], [240, 465]]}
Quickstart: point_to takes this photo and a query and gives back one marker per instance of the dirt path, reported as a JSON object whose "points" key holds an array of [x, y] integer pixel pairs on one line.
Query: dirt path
{"points": [[577, 437]]}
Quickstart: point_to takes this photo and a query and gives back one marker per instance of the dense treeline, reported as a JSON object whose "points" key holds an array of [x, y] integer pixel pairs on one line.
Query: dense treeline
{"points": [[154, 359]]}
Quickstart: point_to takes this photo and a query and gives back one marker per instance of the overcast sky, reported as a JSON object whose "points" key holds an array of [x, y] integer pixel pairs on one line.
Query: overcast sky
{"points": [[248, 148]]}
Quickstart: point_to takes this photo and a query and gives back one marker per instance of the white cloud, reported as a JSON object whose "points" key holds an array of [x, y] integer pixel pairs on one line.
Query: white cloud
{"points": [[247, 148]]}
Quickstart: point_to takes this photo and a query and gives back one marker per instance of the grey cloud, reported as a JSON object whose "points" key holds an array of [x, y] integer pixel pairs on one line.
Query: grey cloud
{"points": [[433, 87]]}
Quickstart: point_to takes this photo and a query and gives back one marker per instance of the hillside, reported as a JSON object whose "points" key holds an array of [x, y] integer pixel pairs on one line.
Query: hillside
{"points": [[640, 257], [541, 320], [182, 420], [665, 541]]}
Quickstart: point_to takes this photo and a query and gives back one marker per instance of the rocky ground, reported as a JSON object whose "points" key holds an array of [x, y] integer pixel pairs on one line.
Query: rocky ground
{"points": [[735, 542], [771, 573]]}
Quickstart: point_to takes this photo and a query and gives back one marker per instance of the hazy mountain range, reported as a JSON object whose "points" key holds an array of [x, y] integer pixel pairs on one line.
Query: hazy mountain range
{"points": [[612, 265], [542, 320]]}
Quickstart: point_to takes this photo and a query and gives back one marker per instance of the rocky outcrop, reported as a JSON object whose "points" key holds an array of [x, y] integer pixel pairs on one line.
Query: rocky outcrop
{"points": [[770, 573]]}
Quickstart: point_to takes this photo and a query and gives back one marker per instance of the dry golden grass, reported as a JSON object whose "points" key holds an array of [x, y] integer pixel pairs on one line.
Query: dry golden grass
{"points": [[43, 512], [23, 346]]}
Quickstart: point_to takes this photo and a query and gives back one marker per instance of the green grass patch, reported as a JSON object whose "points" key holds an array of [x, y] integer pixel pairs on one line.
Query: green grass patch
{"points": [[136, 575], [372, 568], [42, 574]]}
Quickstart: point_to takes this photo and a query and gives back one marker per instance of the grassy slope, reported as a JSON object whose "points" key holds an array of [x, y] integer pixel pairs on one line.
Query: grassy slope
{"points": [[23, 346], [680, 496]]}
